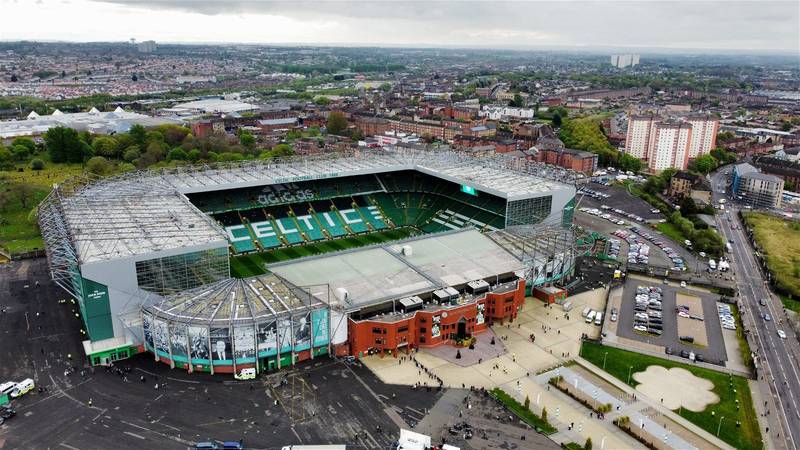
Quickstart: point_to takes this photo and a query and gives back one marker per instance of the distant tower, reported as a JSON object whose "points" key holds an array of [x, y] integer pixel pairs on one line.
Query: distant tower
{"points": [[133, 41]]}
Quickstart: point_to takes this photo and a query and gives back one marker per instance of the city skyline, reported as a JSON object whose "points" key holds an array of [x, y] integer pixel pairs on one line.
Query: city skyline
{"points": [[765, 27]]}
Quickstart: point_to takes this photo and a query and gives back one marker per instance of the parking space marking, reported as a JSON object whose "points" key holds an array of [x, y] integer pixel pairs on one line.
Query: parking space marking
{"points": [[134, 435]]}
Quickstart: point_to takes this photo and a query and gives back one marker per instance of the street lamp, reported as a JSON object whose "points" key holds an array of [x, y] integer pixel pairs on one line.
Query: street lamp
{"points": [[720, 425]]}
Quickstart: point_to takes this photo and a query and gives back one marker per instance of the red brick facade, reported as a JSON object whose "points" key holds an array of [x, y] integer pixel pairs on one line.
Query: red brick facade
{"points": [[417, 330]]}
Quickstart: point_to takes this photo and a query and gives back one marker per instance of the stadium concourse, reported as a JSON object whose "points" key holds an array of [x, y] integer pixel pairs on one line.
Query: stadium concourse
{"points": [[147, 255]]}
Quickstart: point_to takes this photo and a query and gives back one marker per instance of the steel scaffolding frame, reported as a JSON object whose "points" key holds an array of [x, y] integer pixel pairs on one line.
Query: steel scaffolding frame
{"points": [[542, 248]]}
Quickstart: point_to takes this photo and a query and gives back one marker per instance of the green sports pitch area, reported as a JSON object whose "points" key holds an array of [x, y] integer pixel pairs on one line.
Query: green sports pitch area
{"points": [[252, 264]]}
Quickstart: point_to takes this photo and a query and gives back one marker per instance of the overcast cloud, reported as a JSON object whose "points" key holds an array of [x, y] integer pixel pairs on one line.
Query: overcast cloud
{"points": [[754, 25]]}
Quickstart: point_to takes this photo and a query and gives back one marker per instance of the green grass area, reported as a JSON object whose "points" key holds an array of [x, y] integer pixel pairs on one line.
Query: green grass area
{"points": [[243, 266], [791, 304], [541, 425], [23, 190], [620, 363], [671, 231], [573, 446], [779, 240]]}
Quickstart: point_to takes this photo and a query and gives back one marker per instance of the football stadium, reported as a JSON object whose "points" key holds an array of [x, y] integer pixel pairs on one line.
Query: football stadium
{"points": [[261, 264]]}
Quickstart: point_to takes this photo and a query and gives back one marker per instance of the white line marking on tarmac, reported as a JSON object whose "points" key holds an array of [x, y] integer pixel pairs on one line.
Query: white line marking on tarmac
{"points": [[68, 446], [134, 435]]}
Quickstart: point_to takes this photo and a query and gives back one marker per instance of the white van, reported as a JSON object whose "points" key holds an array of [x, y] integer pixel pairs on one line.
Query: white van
{"points": [[598, 319], [246, 374], [590, 317], [7, 387], [586, 311], [22, 388], [566, 306]]}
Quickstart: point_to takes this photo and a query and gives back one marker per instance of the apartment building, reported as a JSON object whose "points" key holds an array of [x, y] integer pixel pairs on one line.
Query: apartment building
{"points": [[755, 188], [670, 143]]}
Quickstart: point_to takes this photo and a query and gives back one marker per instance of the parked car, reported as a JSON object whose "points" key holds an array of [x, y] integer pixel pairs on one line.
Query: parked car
{"points": [[781, 334], [669, 351], [684, 354]]}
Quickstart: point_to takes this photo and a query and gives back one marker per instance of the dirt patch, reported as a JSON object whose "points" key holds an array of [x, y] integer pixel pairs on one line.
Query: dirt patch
{"points": [[676, 387]]}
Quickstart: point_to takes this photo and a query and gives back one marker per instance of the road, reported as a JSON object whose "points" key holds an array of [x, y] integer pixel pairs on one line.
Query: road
{"points": [[777, 359]]}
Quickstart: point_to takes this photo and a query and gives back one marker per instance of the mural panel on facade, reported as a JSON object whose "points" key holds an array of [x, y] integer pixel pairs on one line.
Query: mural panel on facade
{"points": [[302, 332], [221, 345], [267, 339], [320, 326], [147, 326], [161, 337], [244, 344], [179, 340], [199, 340]]}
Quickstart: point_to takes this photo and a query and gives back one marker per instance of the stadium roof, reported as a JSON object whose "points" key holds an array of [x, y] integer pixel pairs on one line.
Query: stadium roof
{"points": [[145, 212], [374, 275], [233, 301]]}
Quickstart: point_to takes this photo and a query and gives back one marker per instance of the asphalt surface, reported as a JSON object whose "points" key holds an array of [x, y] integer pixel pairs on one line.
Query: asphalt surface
{"points": [[323, 401], [714, 353], [779, 373]]}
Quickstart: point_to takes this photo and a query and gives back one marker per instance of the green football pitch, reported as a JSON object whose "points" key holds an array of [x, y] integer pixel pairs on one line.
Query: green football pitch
{"points": [[252, 264]]}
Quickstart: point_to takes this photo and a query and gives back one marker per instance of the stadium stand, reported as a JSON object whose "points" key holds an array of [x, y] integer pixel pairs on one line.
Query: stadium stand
{"points": [[265, 218]]}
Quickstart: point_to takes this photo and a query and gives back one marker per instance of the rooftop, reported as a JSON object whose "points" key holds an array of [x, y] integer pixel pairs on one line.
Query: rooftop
{"points": [[116, 121], [374, 275], [233, 301], [145, 212]]}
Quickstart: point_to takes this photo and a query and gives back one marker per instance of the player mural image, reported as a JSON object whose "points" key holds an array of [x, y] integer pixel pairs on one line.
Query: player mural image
{"points": [[479, 318], [148, 330], [221, 345], [179, 340], [302, 332], [436, 327], [267, 339], [199, 340], [244, 342], [285, 333], [160, 337]]}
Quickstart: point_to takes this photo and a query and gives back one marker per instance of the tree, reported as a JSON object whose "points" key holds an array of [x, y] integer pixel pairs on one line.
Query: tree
{"points": [[134, 77], [688, 206], [139, 135], [527, 402], [337, 123], [64, 145], [98, 165], [588, 444], [557, 120], [704, 164], [518, 101], [105, 146], [630, 163], [21, 153], [193, 155], [25, 142], [544, 414], [322, 100], [14, 78], [6, 158], [131, 153], [177, 154], [23, 192], [357, 135], [247, 139], [37, 164]]}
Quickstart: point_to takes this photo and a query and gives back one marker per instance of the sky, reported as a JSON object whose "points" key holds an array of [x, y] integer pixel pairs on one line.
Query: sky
{"points": [[562, 24]]}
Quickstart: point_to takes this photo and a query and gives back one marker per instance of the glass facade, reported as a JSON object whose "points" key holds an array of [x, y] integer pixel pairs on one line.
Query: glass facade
{"points": [[181, 272], [529, 211], [569, 213]]}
